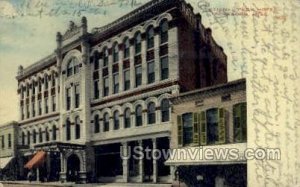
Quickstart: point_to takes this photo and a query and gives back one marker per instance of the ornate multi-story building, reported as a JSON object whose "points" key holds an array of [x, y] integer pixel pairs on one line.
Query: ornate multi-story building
{"points": [[100, 94]]}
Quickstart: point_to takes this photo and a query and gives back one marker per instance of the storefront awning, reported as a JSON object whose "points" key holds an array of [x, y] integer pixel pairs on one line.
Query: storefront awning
{"points": [[37, 160], [208, 155], [4, 161]]}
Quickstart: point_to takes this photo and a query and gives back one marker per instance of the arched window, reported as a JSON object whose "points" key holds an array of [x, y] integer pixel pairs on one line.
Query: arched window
{"points": [[165, 110], [126, 48], [116, 120], [105, 57], [96, 124], [76, 65], [77, 127], [139, 116], [68, 129], [47, 134], [34, 136], [46, 82], [127, 120], [150, 38], [28, 137], [53, 132], [137, 43], [151, 113], [163, 29], [106, 122], [70, 68], [23, 138], [40, 135], [115, 52]]}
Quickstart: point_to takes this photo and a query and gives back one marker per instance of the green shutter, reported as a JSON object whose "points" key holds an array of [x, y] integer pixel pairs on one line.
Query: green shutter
{"points": [[203, 131], [179, 131], [195, 129], [221, 125], [237, 123], [244, 121]]}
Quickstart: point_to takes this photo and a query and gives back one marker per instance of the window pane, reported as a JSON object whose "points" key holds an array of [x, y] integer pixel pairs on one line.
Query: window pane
{"points": [[165, 107], [138, 76], [116, 83], [150, 38], [116, 120], [164, 32], [164, 68], [106, 87], [126, 80], [187, 128], [151, 73], [138, 116], [212, 125], [151, 113]]}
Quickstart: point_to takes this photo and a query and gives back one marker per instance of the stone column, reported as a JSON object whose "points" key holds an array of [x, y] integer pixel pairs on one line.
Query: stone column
{"points": [[132, 69], [125, 159], [38, 174], [141, 164], [155, 174], [63, 168], [156, 58], [144, 63]]}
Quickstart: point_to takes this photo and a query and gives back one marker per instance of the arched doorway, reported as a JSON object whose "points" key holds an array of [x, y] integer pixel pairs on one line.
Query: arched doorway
{"points": [[73, 168]]}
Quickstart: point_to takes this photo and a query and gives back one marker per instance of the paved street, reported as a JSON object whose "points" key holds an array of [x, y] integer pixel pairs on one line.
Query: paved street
{"points": [[58, 184]]}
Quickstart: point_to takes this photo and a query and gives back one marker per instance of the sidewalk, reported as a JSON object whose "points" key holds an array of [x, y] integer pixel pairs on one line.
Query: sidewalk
{"points": [[59, 184]]}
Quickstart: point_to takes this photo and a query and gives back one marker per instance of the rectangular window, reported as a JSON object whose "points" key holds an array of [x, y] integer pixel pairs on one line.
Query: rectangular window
{"points": [[33, 109], [53, 81], [28, 112], [77, 96], [2, 142], [22, 93], [126, 79], [40, 107], [9, 140], [187, 121], [106, 86], [138, 76], [68, 98], [46, 83], [116, 83], [240, 122], [22, 112], [96, 89], [46, 106], [151, 72], [212, 126], [33, 89], [53, 103], [27, 91], [40, 86], [164, 65]]}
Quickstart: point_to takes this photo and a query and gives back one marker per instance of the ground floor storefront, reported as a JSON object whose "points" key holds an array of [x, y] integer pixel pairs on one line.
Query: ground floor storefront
{"points": [[227, 175], [120, 161], [132, 161]]}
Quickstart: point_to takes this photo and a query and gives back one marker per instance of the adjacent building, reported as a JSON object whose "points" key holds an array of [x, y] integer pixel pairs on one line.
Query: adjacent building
{"points": [[8, 151], [209, 135], [100, 94]]}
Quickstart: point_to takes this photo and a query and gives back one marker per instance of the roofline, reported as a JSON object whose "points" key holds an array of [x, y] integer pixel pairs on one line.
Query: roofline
{"points": [[177, 99], [10, 123]]}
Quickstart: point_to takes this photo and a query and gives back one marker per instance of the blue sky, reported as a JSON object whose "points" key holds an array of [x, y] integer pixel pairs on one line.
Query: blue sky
{"points": [[28, 29]]}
